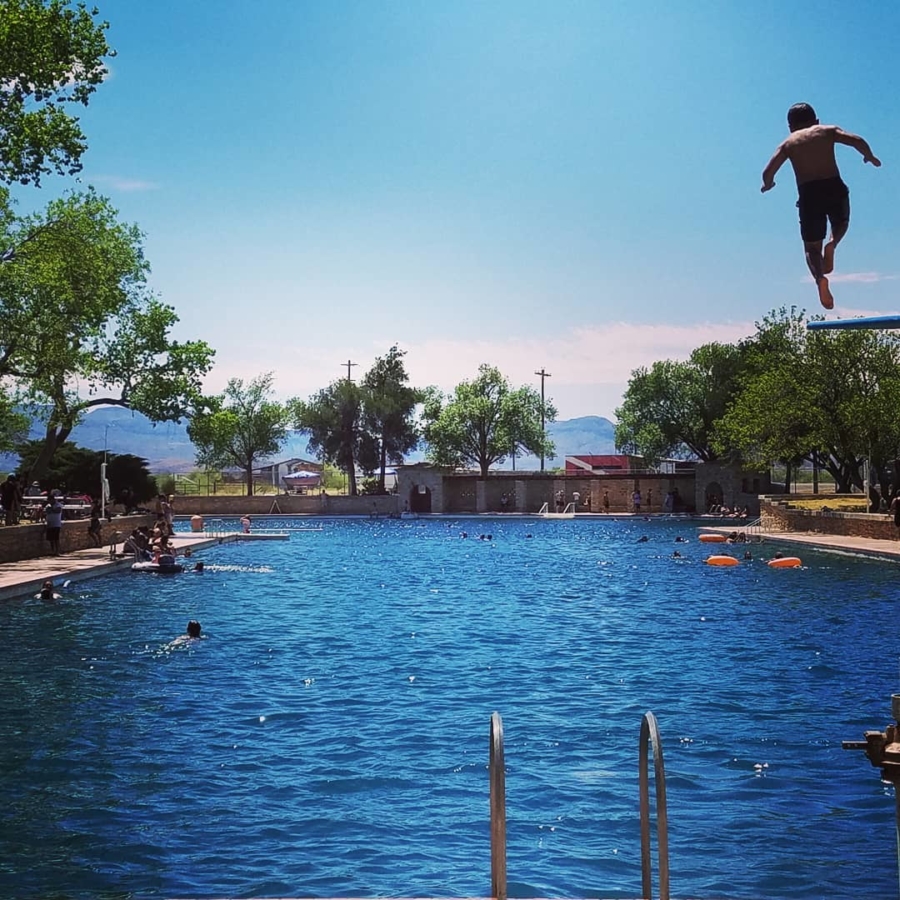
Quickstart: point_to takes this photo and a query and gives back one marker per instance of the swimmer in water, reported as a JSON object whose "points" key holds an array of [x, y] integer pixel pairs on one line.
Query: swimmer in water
{"points": [[676, 555], [198, 566], [183, 640], [47, 592], [643, 539]]}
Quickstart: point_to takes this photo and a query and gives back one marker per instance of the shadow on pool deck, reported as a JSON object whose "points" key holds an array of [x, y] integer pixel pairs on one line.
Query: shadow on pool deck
{"points": [[18, 579]]}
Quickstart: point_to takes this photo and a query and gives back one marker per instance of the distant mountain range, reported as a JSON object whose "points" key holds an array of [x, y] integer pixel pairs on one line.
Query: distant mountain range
{"points": [[167, 449]]}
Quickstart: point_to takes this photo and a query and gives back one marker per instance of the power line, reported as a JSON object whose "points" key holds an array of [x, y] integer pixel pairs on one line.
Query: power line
{"points": [[544, 375]]}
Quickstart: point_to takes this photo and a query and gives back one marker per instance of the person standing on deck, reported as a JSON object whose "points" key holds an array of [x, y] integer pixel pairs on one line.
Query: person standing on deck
{"points": [[9, 497], [53, 515]]}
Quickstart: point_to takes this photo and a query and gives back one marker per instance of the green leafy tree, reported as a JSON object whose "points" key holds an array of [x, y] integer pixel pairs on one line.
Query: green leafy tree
{"points": [[77, 470], [671, 409], [823, 396], [81, 329], [14, 424], [240, 427], [333, 418], [483, 420], [388, 412], [51, 58]]}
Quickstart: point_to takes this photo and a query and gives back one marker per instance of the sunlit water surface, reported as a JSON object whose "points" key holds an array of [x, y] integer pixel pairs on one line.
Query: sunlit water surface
{"points": [[329, 737]]}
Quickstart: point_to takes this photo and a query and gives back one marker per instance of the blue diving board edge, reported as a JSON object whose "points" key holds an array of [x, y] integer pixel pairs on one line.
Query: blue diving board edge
{"points": [[873, 322]]}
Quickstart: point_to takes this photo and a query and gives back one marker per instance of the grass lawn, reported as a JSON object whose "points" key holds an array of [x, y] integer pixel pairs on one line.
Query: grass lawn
{"points": [[838, 503]]}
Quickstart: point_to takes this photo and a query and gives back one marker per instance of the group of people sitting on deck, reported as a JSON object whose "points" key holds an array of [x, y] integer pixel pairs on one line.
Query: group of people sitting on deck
{"points": [[150, 545], [719, 509]]}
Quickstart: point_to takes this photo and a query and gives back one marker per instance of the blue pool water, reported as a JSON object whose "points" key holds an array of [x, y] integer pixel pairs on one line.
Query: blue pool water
{"points": [[330, 736]]}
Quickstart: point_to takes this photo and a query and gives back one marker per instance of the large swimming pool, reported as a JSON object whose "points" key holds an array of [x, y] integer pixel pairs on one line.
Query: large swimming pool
{"points": [[330, 736]]}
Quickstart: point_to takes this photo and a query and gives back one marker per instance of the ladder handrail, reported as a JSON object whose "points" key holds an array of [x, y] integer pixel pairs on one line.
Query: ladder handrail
{"points": [[544, 509], [498, 809], [650, 735]]}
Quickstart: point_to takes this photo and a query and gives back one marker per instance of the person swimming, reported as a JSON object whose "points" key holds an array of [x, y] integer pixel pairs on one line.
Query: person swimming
{"points": [[198, 566], [192, 633], [47, 592]]}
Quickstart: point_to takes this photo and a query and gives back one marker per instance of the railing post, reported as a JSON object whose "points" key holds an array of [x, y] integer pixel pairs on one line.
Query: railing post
{"points": [[498, 810], [650, 734]]}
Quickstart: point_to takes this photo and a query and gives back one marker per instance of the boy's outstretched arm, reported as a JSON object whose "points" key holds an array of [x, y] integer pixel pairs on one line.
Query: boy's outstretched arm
{"points": [[779, 158], [857, 143]]}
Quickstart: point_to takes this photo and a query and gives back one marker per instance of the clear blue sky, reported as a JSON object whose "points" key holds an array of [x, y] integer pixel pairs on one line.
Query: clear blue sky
{"points": [[572, 185]]}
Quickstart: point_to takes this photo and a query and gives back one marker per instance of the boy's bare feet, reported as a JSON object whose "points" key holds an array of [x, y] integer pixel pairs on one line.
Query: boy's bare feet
{"points": [[825, 297], [828, 257]]}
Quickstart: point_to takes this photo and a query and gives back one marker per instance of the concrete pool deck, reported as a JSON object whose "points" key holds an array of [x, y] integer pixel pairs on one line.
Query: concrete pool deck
{"points": [[828, 543], [27, 576]]}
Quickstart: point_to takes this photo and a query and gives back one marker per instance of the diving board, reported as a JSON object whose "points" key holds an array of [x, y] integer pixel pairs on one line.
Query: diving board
{"points": [[871, 322]]}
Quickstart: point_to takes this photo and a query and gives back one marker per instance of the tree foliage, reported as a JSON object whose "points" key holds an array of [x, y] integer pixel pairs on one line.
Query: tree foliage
{"points": [[827, 396], [388, 415], [240, 427], [81, 329], [333, 418], [484, 421], [76, 470], [51, 57], [671, 409]]}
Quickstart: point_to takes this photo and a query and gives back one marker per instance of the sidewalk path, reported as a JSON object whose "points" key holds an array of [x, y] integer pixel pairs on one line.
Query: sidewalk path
{"points": [[28, 575], [831, 543]]}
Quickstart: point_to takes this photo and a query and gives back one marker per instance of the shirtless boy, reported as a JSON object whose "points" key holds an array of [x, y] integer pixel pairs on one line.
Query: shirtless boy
{"points": [[823, 195]]}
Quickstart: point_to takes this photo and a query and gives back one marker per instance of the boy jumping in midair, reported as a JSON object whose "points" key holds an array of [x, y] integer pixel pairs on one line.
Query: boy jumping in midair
{"points": [[823, 195]]}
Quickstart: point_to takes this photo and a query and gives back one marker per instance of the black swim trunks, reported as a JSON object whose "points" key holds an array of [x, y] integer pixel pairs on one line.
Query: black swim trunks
{"points": [[820, 202]]}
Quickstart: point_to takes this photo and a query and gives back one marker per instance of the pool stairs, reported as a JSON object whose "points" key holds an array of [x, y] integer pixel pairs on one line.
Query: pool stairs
{"points": [[649, 738], [881, 748], [567, 513]]}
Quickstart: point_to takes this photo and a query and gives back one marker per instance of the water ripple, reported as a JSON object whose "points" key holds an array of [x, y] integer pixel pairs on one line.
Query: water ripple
{"points": [[329, 735]]}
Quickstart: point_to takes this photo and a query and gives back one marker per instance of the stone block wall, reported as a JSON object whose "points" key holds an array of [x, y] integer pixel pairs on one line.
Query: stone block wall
{"points": [[18, 542], [730, 485], [777, 518], [286, 504], [456, 493], [225, 505]]}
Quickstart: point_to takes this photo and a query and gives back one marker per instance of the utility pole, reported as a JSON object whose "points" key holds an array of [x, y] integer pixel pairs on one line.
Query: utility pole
{"points": [[543, 375], [349, 366]]}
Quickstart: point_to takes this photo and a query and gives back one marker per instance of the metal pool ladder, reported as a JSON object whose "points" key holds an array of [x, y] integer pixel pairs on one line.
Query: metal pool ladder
{"points": [[649, 737]]}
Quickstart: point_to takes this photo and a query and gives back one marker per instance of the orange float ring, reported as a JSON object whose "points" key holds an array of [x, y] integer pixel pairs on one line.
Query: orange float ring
{"points": [[721, 561], [713, 538], [786, 562]]}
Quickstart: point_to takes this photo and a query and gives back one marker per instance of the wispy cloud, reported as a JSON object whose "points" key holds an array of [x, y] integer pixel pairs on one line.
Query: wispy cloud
{"points": [[589, 365], [858, 277], [128, 185]]}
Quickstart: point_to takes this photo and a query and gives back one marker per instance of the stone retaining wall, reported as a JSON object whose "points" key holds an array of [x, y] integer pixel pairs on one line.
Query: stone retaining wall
{"points": [[227, 505], [19, 542], [775, 517], [285, 504]]}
